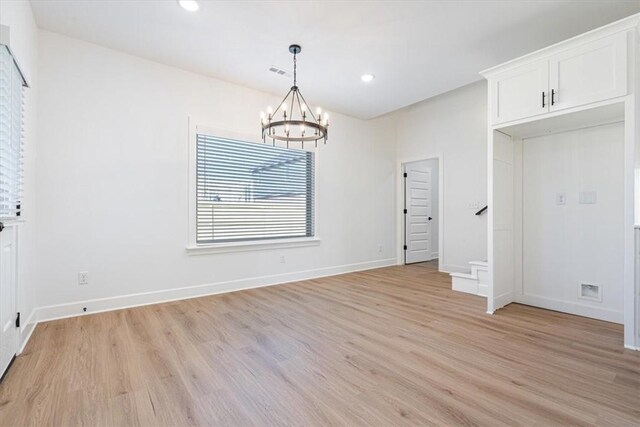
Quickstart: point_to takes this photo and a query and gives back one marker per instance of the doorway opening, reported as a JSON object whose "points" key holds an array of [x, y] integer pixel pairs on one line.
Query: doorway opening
{"points": [[421, 211]]}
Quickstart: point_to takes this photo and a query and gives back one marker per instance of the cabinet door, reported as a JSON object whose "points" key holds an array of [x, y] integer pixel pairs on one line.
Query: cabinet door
{"points": [[520, 93], [589, 73]]}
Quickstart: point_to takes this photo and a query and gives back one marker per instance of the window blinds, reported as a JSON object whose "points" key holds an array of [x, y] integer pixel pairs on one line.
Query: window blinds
{"points": [[11, 115], [248, 191]]}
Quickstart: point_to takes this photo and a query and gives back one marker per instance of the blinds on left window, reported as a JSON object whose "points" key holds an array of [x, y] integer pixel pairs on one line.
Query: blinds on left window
{"points": [[11, 132]]}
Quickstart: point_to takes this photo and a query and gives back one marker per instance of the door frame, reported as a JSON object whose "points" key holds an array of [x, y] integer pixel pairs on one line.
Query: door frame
{"points": [[400, 196]]}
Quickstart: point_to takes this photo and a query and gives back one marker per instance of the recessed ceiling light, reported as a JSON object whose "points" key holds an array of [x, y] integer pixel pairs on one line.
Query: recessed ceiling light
{"points": [[189, 5], [367, 78]]}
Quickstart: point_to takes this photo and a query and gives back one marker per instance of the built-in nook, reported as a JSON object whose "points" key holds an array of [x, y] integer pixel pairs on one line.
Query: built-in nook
{"points": [[558, 218], [562, 144]]}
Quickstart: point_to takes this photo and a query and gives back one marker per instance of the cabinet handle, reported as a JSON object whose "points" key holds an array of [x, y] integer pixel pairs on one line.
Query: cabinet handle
{"points": [[543, 96], [553, 96]]}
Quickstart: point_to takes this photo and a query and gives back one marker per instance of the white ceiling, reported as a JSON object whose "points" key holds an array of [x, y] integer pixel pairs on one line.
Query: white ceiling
{"points": [[415, 49]]}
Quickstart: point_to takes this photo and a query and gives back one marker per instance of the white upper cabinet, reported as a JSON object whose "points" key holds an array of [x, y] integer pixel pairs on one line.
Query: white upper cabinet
{"points": [[520, 92], [582, 71], [593, 72]]}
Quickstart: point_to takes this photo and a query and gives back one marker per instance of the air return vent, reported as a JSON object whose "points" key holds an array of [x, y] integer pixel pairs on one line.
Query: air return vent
{"points": [[279, 71], [590, 291]]}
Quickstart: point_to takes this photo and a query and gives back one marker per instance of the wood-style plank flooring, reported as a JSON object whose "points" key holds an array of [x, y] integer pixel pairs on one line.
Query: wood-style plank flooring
{"points": [[384, 347]]}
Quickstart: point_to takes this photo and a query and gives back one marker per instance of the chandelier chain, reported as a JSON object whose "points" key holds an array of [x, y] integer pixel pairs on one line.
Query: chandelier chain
{"points": [[295, 66]]}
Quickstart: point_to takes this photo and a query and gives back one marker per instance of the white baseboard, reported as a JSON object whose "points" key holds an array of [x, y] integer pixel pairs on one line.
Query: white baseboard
{"points": [[61, 311], [572, 308], [502, 300], [630, 347], [26, 331]]}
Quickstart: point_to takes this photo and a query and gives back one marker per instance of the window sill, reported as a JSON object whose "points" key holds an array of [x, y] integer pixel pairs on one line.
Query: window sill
{"points": [[252, 246]]}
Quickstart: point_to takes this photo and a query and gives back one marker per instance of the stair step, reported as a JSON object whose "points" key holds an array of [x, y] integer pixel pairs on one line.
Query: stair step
{"points": [[462, 282], [464, 275], [473, 282], [484, 264]]}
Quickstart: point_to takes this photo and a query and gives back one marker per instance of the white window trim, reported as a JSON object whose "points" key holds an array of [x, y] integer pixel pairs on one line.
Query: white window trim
{"points": [[194, 248], [5, 39]]}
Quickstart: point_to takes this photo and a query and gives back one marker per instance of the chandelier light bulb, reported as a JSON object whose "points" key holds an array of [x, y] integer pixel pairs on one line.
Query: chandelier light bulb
{"points": [[318, 111], [269, 110]]}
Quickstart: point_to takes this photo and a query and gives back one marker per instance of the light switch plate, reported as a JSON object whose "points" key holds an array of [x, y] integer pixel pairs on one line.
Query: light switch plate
{"points": [[588, 197]]}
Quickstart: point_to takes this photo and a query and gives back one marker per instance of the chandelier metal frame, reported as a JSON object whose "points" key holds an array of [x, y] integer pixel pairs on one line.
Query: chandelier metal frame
{"points": [[310, 127]]}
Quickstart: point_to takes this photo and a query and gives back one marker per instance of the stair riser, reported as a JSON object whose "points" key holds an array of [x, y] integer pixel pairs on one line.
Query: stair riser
{"points": [[477, 270], [462, 284], [483, 277], [483, 290]]}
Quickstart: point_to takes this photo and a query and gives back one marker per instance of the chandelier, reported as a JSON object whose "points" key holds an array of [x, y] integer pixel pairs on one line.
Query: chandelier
{"points": [[293, 120]]}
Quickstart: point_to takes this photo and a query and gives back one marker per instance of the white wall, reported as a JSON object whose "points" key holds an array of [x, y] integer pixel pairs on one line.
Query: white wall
{"points": [[565, 244], [112, 182], [24, 44], [455, 125]]}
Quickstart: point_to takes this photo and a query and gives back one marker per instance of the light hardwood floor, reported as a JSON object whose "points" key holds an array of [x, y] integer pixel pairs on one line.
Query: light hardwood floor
{"points": [[384, 347]]}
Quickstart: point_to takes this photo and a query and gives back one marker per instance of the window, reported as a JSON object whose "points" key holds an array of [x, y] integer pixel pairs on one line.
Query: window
{"points": [[11, 84], [252, 191]]}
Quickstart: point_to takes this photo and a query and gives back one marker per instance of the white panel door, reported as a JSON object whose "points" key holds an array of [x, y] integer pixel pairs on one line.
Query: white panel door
{"points": [[418, 217], [520, 93], [593, 72], [8, 330]]}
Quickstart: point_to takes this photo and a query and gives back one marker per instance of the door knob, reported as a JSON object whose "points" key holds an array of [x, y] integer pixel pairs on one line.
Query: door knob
{"points": [[430, 218], [1, 226]]}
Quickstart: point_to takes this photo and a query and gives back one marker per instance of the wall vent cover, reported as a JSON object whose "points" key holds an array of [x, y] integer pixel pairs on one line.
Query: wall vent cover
{"points": [[590, 291], [279, 71]]}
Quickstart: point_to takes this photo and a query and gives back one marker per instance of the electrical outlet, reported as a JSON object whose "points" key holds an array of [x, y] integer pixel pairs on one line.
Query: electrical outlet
{"points": [[282, 260], [379, 249], [561, 198], [83, 278]]}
